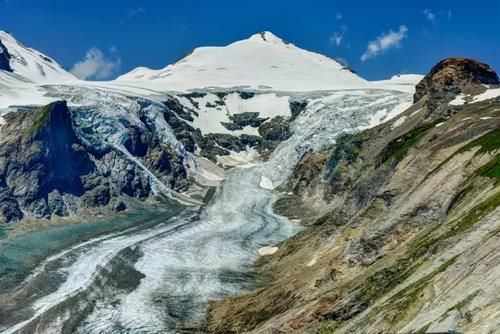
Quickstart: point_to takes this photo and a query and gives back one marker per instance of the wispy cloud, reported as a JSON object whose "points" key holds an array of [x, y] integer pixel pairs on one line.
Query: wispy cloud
{"points": [[95, 65], [337, 37], [429, 15], [134, 12], [433, 16], [338, 16], [384, 42]]}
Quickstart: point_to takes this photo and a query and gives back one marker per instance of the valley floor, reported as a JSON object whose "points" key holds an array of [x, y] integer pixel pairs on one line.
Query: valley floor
{"points": [[152, 278]]}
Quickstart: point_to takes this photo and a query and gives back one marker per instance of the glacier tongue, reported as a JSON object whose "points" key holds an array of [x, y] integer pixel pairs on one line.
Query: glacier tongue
{"points": [[208, 259]]}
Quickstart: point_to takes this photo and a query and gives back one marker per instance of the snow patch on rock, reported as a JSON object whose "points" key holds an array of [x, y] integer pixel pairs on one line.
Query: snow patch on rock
{"points": [[245, 158], [268, 250], [462, 99], [398, 122]]}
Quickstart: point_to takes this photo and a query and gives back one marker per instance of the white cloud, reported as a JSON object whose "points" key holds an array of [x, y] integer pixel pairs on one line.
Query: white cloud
{"points": [[384, 42], [433, 16], [337, 37], [429, 15], [96, 66], [134, 12]]}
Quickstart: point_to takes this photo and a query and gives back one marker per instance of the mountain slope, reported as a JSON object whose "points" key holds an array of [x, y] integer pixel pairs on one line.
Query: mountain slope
{"points": [[49, 168], [29, 64], [23, 71], [109, 146], [403, 224]]}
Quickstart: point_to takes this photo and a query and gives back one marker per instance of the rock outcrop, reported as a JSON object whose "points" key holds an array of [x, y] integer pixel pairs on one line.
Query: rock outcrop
{"points": [[45, 169], [271, 131], [4, 58], [41, 156], [453, 76], [448, 79]]}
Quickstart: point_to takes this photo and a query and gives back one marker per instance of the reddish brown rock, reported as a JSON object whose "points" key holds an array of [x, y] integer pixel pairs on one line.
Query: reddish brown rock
{"points": [[453, 76]]}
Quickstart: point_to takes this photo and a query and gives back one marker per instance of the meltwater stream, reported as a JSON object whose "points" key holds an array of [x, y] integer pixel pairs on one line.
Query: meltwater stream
{"points": [[159, 280]]}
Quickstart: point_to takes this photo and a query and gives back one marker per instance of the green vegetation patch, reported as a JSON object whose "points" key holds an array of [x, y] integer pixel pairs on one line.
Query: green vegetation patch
{"points": [[491, 169], [41, 119], [488, 142], [401, 304], [475, 214], [398, 148], [347, 149], [329, 327], [383, 281]]}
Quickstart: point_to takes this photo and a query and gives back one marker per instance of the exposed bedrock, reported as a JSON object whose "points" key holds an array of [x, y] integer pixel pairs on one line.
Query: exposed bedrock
{"points": [[45, 169]]}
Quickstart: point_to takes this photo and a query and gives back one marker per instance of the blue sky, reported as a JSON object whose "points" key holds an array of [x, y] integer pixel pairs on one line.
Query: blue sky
{"points": [[376, 38]]}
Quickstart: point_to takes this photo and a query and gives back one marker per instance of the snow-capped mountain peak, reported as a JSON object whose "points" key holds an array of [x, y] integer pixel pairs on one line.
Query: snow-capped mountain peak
{"points": [[263, 62], [29, 64], [269, 37]]}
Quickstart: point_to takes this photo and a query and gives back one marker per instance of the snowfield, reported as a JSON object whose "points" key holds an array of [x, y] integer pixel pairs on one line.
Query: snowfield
{"points": [[262, 61], [32, 65]]}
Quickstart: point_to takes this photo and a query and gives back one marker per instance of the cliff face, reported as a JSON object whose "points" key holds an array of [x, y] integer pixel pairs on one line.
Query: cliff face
{"points": [[4, 58], [46, 170], [403, 225]]}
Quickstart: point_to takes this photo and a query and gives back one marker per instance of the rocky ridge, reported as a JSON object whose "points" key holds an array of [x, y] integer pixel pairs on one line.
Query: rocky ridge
{"points": [[268, 131], [449, 78]]}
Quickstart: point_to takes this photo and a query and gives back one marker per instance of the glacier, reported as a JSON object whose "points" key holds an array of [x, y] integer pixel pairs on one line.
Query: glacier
{"points": [[190, 260]]}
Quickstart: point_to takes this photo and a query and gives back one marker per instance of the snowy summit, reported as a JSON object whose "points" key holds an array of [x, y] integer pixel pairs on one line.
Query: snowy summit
{"points": [[263, 61], [30, 65]]}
